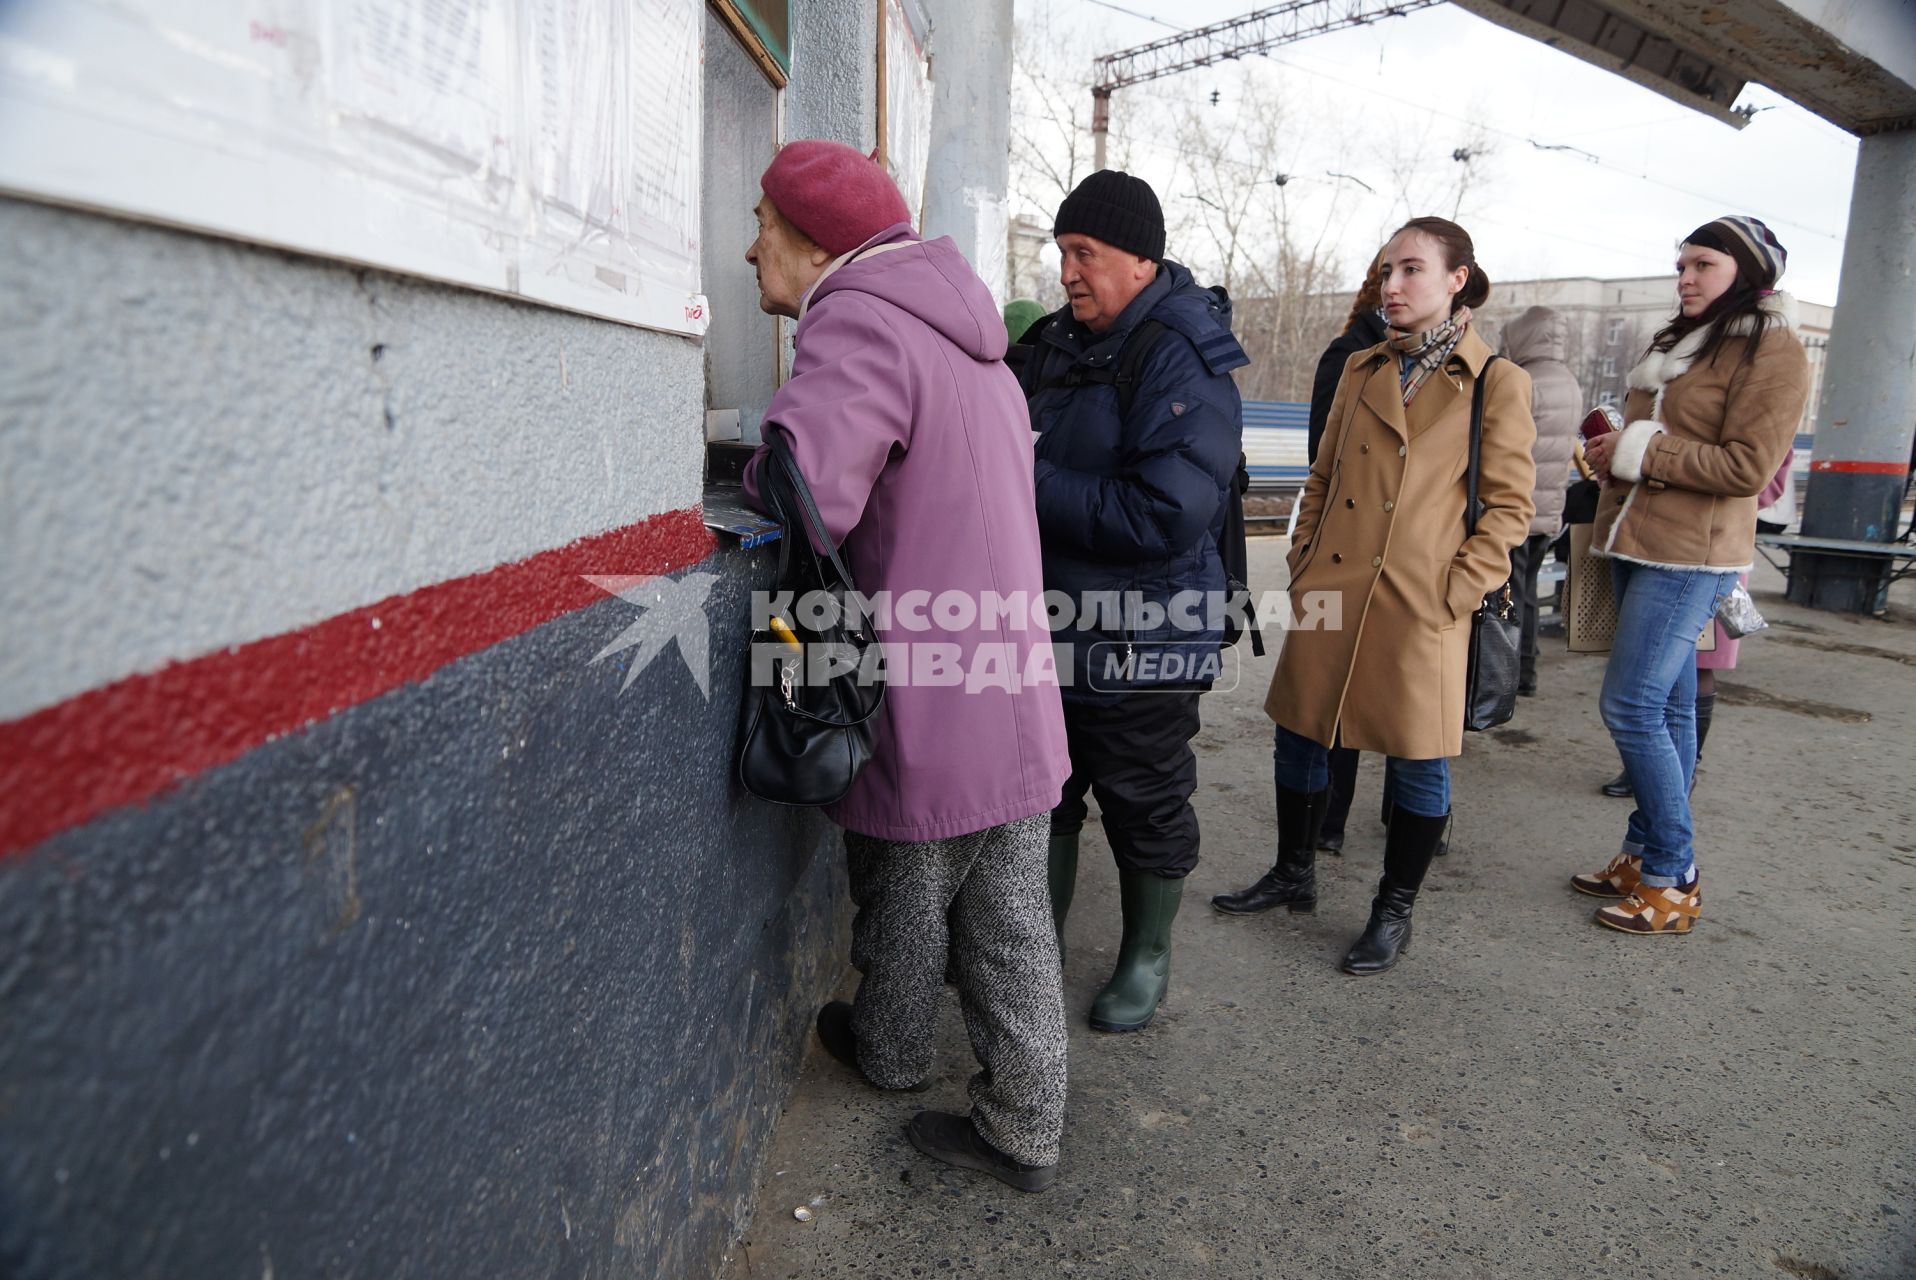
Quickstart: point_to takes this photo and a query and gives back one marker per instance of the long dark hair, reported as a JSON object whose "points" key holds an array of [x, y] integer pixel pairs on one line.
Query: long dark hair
{"points": [[1741, 299], [1458, 252]]}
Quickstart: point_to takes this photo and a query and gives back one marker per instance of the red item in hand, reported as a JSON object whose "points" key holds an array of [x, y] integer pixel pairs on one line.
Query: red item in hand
{"points": [[1600, 421]]}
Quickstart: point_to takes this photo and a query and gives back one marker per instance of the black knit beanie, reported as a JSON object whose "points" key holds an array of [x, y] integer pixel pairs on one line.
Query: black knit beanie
{"points": [[1118, 209]]}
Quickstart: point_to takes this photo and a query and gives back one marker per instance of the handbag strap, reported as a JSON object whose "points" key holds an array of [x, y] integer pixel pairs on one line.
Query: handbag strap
{"points": [[808, 514], [1476, 446]]}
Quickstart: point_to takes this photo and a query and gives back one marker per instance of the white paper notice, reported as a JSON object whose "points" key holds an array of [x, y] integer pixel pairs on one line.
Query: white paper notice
{"points": [[908, 98], [543, 148]]}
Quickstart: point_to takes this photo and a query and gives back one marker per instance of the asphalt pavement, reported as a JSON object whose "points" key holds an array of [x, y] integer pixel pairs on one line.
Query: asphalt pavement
{"points": [[1526, 1094]]}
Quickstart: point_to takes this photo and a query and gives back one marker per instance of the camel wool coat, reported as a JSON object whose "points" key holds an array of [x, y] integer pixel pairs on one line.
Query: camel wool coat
{"points": [[1381, 529]]}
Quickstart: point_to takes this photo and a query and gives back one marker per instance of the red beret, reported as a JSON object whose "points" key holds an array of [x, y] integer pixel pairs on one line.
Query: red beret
{"points": [[836, 195]]}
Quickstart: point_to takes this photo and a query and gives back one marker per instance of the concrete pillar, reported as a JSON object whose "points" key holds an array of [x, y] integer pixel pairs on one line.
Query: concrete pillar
{"points": [[1868, 416], [970, 170]]}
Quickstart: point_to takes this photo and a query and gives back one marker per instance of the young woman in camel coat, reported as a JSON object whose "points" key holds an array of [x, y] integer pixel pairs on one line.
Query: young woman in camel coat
{"points": [[1381, 532]]}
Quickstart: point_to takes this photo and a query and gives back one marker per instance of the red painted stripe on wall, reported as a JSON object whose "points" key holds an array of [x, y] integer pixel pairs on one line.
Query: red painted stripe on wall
{"points": [[129, 741], [1860, 468]]}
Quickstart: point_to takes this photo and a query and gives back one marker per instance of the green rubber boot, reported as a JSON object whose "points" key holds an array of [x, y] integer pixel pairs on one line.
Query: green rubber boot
{"points": [[1062, 870], [1130, 1000]]}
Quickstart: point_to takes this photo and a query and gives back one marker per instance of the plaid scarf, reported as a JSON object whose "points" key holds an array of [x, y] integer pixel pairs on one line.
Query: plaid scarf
{"points": [[1428, 350]]}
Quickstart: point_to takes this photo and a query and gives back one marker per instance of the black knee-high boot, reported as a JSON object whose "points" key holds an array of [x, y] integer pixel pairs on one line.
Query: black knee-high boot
{"points": [[1412, 843], [1292, 881]]}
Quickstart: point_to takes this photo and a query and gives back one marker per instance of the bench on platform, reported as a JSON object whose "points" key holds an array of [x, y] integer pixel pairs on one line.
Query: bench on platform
{"points": [[1897, 559]]}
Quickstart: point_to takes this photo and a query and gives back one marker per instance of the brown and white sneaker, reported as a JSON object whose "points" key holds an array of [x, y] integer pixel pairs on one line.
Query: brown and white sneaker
{"points": [[1618, 880], [1655, 910]]}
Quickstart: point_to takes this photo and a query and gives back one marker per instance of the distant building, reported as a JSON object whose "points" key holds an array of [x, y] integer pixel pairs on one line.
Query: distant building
{"points": [[1027, 273], [1612, 321]]}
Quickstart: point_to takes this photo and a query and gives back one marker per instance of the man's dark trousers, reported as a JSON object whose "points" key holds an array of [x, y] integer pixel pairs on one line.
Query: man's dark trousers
{"points": [[1135, 757], [1526, 561]]}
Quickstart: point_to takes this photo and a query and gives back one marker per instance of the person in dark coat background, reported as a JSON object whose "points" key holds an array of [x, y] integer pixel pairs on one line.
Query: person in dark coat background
{"points": [[1538, 342], [1131, 502], [1363, 330], [1021, 317]]}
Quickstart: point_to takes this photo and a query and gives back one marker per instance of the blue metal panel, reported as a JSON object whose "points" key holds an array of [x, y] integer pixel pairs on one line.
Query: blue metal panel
{"points": [[1276, 443]]}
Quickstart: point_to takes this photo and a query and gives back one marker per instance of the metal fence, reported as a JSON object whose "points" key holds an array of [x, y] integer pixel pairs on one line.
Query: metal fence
{"points": [[1276, 433]]}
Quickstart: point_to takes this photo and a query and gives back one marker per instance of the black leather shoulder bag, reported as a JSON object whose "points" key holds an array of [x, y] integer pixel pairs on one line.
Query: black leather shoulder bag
{"points": [[1490, 677], [808, 718]]}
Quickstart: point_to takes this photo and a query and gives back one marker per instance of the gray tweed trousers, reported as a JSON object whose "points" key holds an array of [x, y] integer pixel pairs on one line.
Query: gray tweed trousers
{"points": [[982, 901]]}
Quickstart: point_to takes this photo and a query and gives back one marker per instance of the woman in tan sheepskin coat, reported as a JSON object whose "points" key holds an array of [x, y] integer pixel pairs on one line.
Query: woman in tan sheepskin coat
{"points": [[1712, 409]]}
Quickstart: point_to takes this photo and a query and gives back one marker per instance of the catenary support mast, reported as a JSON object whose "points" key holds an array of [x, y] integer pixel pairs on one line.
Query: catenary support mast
{"points": [[1256, 32]]}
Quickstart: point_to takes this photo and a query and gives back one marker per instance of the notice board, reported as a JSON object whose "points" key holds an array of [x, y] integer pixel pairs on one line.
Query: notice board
{"points": [[546, 149], [904, 99]]}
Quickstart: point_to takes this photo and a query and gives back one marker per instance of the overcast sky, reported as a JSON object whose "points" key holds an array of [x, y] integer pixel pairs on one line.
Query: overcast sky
{"points": [[1660, 169]]}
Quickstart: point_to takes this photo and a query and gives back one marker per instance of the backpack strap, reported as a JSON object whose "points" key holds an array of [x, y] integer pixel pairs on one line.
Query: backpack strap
{"points": [[1130, 363], [1122, 373]]}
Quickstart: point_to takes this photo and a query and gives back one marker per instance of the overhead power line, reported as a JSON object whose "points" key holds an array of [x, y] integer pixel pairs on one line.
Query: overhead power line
{"points": [[1428, 109], [1133, 13], [1254, 33]]}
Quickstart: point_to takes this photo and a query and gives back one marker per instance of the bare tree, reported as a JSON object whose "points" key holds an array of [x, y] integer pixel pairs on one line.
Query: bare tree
{"points": [[1233, 212], [1237, 222], [1051, 145]]}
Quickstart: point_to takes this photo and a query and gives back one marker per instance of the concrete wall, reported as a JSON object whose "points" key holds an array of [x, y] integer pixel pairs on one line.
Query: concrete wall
{"points": [[359, 923], [969, 172], [1868, 414]]}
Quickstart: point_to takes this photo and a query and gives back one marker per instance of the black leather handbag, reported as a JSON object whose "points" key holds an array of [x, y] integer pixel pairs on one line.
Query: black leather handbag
{"points": [[808, 717], [1490, 676]]}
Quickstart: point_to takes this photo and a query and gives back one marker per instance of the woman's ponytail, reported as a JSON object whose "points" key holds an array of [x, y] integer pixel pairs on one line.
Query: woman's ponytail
{"points": [[1476, 290]]}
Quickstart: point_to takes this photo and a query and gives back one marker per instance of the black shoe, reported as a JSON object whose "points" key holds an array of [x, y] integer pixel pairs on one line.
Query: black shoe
{"points": [[1526, 688], [1292, 881], [1386, 936], [835, 1033], [1284, 885], [1618, 788], [1412, 844], [1332, 843], [955, 1140]]}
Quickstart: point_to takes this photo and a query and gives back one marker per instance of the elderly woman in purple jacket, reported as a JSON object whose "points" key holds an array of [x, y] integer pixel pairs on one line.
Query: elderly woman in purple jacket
{"points": [[913, 437]]}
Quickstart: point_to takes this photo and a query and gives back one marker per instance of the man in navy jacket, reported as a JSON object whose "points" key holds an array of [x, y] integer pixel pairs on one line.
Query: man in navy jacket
{"points": [[1139, 432]]}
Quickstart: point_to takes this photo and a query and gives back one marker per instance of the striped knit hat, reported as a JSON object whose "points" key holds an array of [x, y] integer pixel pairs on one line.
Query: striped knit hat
{"points": [[1760, 256]]}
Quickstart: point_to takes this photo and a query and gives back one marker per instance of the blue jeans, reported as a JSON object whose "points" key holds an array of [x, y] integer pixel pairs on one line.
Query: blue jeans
{"points": [[1649, 705], [1421, 787]]}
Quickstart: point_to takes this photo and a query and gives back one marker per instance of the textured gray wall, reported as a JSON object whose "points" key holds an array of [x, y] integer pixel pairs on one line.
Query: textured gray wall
{"points": [[498, 975], [495, 975], [741, 136], [834, 89], [203, 443], [970, 169]]}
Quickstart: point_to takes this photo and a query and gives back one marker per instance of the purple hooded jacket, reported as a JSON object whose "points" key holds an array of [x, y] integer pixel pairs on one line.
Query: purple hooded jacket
{"points": [[914, 438]]}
